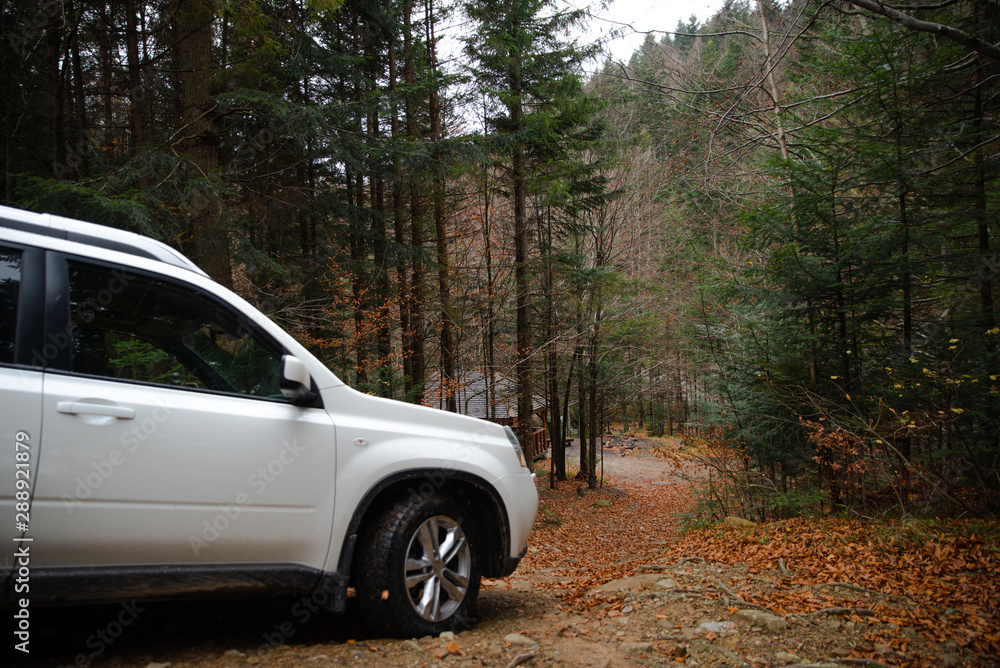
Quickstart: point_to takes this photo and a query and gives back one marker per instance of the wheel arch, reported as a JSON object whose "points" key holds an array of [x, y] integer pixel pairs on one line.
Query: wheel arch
{"points": [[480, 498]]}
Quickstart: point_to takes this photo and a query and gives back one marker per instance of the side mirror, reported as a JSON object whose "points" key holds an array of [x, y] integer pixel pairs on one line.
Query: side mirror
{"points": [[296, 384]]}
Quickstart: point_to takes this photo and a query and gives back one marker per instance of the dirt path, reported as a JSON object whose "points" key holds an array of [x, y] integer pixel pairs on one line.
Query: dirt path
{"points": [[629, 461], [594, 590]]}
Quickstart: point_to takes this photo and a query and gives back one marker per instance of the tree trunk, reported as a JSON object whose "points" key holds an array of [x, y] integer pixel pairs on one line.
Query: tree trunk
{"points": [[592, 412], [557, 437], [53, 56], [106, 88], [986, 261], [80, 136], [199, 143], [447, 341], [582, 413], [399, 222], [380, 289], [417, 288], [769, 68], [136, 92]]}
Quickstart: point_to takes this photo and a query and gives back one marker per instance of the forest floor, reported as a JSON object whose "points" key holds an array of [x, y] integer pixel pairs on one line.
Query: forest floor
{"points": [[611, 580]]}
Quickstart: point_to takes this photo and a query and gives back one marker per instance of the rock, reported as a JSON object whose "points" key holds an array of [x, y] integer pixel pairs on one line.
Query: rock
{"points": [[447, 635], [636, 646], [786, 657], [631, 583], [738, 522], [763, 619], [157, 664], [413, 645], [722, 628], [602, 503], [234, 652], [519, 640], [666, 583]]}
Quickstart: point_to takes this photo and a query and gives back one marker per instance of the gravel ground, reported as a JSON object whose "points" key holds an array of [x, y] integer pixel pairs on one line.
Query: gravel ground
{"points": [[629, 461]]}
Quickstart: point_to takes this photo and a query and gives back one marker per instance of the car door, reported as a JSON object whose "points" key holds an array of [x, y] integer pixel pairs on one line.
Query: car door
{"points": [[20, 396], [166, 437]]}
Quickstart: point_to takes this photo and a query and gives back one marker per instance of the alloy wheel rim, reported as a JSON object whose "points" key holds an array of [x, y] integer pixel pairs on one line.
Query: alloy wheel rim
{"points": [[438, 568]]}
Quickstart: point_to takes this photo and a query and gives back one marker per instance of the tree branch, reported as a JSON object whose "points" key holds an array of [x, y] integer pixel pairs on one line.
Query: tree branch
{"points": [[968, 40]]}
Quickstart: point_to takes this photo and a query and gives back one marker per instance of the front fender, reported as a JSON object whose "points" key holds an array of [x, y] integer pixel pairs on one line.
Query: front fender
{"points": [[388, 447]]}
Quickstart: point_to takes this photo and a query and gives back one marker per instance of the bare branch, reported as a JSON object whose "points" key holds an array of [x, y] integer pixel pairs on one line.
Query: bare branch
{"points": [[968, 40], [961, 156]]}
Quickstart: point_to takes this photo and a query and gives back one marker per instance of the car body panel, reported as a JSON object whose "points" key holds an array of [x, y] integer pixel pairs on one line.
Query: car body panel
{"points": [[169, 486], [20, 397], [380, 437]]}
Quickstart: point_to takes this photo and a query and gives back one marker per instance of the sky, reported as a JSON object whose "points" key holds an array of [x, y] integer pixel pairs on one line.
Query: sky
{"points": [[629, 17], [642, 15]]}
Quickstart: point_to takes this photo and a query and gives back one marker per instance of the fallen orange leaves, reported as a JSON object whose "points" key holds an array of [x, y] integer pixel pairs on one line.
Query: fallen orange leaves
{"points": [[941, 598], [940, 578]]}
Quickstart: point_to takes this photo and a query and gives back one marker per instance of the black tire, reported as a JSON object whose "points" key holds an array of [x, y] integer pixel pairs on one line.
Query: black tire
{"points": [[418, 568]]}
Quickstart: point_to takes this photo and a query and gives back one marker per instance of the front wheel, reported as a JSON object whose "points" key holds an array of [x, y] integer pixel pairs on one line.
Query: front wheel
{"points": [[419, 568]]}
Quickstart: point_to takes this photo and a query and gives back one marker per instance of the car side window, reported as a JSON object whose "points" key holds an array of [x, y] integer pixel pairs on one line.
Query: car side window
{"points": [[138, 328], [10, 286]]}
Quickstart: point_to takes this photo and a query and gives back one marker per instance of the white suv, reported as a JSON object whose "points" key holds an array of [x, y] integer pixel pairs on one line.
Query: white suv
{"points": [[162, 438]]}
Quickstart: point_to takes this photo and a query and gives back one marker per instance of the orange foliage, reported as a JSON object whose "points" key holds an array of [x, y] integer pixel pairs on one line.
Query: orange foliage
{"points": [[941, 579]]}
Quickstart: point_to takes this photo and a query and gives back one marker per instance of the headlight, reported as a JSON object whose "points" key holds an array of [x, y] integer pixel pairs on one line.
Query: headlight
{"points": [[512, 437]]}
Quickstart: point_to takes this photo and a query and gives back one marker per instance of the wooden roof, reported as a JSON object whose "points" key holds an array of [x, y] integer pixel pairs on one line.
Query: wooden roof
{"points": [[477, 397]]}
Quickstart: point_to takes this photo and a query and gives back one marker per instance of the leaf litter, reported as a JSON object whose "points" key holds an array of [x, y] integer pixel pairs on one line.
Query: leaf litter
{"points": [[907, 593]]}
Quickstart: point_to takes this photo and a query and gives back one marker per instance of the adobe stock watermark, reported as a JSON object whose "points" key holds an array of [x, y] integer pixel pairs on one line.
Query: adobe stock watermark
{"points": [[301, 611], [257, 482], [30, 30], [461, 452], [104, 636], [132, 439]]}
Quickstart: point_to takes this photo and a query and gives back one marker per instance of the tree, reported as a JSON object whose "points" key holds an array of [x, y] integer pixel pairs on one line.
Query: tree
{"points": [[197, 137], [517, 50]]}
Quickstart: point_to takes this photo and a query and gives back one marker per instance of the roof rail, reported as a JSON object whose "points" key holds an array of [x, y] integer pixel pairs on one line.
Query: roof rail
{"points": [[91, 234]]}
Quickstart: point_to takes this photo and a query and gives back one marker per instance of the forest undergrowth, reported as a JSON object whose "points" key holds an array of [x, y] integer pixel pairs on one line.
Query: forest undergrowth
{"points": [[921, 587]]}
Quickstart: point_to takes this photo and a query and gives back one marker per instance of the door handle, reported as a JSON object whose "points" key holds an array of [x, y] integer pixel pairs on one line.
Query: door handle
{"points": [[84, 408]]}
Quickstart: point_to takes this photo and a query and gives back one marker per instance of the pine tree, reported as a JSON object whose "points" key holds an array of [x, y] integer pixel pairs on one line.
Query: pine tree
{"points": [[517, 51]]}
